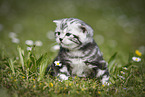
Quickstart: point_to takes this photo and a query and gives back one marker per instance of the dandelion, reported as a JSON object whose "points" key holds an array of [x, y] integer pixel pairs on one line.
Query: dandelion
{"points": [[29, 42], [40, 83], [33, 79], [94, 86], [50, 35], [99, 92], [15, 80], [38, 43], [29, 48], [12, 35], [50, 84], [23, 77], [122, 72], [77, 92], [103, 85], [137, 52], [55, 48], [125, 68], [69, 84], [83, 89], [57, 63], [34, 86], [15, 40], [136, 59]]}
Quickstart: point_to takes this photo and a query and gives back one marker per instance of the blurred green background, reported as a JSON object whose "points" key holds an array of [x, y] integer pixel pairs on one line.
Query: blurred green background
{"points": [[119, 25]]}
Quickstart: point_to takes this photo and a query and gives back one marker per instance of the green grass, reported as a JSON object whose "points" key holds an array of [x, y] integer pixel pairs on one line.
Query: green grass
{"points": [[26, 77], [118, 30]]}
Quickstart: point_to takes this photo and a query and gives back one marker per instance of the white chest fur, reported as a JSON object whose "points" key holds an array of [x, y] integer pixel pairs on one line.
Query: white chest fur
{"points": [[79, 68]]}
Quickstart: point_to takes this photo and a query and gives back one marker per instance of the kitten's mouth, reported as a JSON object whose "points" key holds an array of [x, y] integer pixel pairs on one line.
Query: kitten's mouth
{"points": [[62, 44], [75, 41]]}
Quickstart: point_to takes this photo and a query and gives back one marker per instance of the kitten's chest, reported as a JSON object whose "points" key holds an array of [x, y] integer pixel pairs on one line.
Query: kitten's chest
{"points": [[79, 68]]}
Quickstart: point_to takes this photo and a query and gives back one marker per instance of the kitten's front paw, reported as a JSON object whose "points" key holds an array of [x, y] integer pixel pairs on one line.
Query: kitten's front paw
{"points": [[63, 77], [105, 80]]}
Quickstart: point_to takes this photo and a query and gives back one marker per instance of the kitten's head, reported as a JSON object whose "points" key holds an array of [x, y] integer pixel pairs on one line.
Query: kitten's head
{"points": [[72, 33]]}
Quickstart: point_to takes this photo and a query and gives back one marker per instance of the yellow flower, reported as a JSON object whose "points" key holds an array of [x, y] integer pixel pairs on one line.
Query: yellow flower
{"points": [[122, 72], [39, 83], [15, 80], [11, 77], [125, 68], [23, 77], [99, 92], [137, 52], [69, 84], [77, 92], [33, 79], [83, 89], [103, 85], [50, 84], [94, 87], [34, 86]]}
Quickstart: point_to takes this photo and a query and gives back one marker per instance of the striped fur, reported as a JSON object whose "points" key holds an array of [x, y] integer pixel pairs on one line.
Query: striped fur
{"points": [[79, 54]]}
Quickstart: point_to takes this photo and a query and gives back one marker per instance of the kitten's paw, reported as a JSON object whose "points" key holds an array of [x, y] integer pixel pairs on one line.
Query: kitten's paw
{"points": [[63, 77], [107, 83], [105, 80]]}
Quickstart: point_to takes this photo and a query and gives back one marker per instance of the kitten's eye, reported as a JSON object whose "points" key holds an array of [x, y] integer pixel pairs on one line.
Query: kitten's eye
{"points": [[58, 33], [68, 34]]}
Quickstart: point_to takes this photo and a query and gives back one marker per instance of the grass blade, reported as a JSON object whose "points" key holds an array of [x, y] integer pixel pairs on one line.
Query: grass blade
{"points": [[21, 56], [11, 64], [111, 62], [42, 66]]}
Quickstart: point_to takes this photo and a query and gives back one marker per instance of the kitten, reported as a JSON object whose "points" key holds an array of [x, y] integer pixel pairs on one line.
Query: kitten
{"points": [[79, 55]]}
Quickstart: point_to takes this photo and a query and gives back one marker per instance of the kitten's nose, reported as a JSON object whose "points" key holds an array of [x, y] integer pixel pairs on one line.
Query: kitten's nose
{"points": [[60, 39]]}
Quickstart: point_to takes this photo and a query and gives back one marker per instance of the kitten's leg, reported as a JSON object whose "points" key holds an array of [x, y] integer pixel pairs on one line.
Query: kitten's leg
{"points": [[63, 73], [103, 73], [100, 70]]}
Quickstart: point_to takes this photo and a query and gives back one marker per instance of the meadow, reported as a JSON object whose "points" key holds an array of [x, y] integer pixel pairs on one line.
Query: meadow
{"points": [[27, 47]]}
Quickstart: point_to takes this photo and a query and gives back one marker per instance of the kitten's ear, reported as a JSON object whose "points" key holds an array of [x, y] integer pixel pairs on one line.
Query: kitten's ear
{"points": [[87, 29], [83, 29], [57, 22]]}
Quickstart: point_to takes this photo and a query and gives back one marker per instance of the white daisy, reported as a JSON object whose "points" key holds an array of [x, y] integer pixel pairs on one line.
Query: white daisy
{"points": [[136, 59], [50, 35], [12, 35], [15, 40], [38, 43], [124, 68], [122, 72], [121, 76], [29, 48], [56, 47], [29, 42], [57, 63]]}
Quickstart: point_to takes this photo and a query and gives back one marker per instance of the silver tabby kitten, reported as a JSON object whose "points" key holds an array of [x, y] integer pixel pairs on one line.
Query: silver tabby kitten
{"points": [[79, 55]]}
